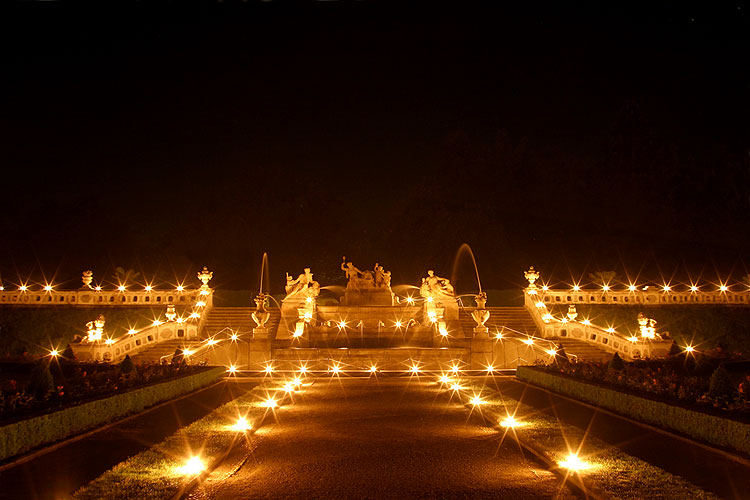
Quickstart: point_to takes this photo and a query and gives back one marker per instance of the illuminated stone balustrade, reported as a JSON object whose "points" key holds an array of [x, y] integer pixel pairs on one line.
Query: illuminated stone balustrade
{"points": [[87, 297], [641, 297]]}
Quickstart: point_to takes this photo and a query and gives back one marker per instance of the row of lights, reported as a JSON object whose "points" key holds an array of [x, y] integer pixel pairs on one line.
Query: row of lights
{"points": [[98, 288], [195, 465], [571, 462], [632, 287]]}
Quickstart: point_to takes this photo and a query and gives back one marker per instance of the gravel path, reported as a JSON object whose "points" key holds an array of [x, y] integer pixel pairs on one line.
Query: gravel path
{"points": [[385, 439]]}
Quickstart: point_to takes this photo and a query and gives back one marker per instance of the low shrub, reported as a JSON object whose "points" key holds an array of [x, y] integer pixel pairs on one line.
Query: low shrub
{"points": [[699, 425], [26, 434]]}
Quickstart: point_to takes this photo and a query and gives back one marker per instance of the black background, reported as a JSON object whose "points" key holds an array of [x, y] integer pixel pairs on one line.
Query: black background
{"points": [[578, 138]]}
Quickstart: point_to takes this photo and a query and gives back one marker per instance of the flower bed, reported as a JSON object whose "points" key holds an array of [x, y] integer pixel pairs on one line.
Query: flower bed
{"points": [[26, 434], [699, 425]]}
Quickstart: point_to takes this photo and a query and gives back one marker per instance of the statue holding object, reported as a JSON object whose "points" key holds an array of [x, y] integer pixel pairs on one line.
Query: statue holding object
{"points": [[302, 287]]}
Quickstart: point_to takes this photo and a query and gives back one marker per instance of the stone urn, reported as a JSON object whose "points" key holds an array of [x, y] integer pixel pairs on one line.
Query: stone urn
{"points": [[260, 315]]}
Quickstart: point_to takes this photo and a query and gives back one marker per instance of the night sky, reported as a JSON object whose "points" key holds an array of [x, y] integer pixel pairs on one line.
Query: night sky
{"points": [[577, 138]]}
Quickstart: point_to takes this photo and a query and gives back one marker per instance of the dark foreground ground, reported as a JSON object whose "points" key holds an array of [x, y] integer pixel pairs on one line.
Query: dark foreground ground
{"points": [[57, 474], [381, 439]]}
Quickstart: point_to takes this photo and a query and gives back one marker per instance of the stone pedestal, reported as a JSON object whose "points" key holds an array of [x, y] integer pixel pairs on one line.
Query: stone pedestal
{"points": [[261, 333], [481, 353], [368, 297]]}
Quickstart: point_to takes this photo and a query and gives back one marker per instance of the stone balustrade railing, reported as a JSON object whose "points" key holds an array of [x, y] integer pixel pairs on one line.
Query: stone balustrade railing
{"points": [[628, 348], [116, 349], [89, 297], [655, 297]]}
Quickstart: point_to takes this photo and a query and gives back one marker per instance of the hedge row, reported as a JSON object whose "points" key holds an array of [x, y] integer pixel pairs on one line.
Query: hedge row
{"points": [[27, 434], [712, 429]]}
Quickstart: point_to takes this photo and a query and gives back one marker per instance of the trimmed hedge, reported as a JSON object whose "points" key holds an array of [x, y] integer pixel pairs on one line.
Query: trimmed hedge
{"points": [[710, 428], [22, 436]]}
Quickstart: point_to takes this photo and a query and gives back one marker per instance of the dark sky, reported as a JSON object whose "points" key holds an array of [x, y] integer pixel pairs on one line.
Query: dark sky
{"points": [[166, 136]]}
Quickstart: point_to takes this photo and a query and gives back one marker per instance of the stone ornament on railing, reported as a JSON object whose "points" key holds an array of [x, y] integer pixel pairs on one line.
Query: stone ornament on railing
{"points": [[87, 277], [647, 327], [205, 276], [531, 276], [95, 329], [171, 313], [572, 313]]}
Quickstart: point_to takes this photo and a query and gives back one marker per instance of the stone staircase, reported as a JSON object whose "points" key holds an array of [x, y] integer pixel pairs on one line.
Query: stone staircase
{"points": [[154, 353], [512, 318], [585, 351], [390, 359], [239, 319]]}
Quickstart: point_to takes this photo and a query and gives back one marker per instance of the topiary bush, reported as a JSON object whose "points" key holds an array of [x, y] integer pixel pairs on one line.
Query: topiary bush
{"points": [[126, 366], [616, 363], [41, 382], [721, 384]]}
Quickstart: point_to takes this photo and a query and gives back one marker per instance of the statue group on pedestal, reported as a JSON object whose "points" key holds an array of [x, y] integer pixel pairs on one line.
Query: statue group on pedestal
{"points": [[303, 286], [434, 285], [363, 280]]}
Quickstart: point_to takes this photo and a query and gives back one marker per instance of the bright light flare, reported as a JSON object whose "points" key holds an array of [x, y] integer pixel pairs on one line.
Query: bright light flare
{"points": [[23, 288], [693, 288], [528, 341], [666, 288], [242, 425], [723, 288], [47, 288], [397, 324], [121, 288], [109, 341], [605, 288], [373, 369], [54, 353], [195, 315], [444, 379], [156, 322], [690, 349], [180, 288], [414, 369], [456, 386], [268, 369], [586, 322], [132, 331], [232, 369], [477, 401], [551, 352], [269, 403], [148, 288], [632, 287], [200, 303], [303, 369], [297, 381], [410, 300], [576, 288], [212, 342], [335, 369], [342, 325], [234, 337], [188, 352], [193, 466], [633, 338], [610, 330], [574, 463], [510, 422], [490, 369], [455, 369]]}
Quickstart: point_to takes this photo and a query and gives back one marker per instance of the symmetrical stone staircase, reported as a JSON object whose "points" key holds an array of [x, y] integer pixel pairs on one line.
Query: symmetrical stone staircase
{"points": [[513, 319], [392, 359], [239, 319]]}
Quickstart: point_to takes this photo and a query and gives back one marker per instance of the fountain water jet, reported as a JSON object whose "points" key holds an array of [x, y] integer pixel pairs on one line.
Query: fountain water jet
{"points": [[464, 248]]}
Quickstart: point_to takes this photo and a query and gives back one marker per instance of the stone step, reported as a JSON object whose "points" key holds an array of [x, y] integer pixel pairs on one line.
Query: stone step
{"points": [[395, 359]]}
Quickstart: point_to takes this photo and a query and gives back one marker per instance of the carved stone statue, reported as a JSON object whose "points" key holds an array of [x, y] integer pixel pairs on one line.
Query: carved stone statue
{"points": [[304, 286], [435, 286], [365, 280]]}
